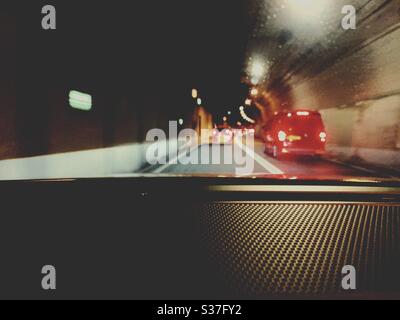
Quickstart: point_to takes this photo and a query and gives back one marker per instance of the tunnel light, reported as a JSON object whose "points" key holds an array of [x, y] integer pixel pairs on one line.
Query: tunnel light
{"points": [[80, 101], [257, 69], [195, 93], [254, 92], [306, 10], [305, 17], [245, 116]]}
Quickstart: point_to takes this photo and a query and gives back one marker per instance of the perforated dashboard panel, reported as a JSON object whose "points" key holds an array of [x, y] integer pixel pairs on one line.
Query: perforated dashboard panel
{"points": [[188, 239], [300, 248]]}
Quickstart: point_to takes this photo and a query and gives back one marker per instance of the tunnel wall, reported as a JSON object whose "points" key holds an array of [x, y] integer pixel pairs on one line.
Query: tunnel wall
{"points": [[106, 162], [35, 116], [359, 98], [7, 87], [48, 125], [369, 131]]}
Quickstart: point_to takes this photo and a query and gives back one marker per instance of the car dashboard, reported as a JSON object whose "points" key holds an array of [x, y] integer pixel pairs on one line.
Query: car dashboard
{"points": [[203, 238]]}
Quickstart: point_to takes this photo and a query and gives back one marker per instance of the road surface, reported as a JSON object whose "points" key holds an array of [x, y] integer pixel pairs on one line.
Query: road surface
{"points": [[263, 165]]}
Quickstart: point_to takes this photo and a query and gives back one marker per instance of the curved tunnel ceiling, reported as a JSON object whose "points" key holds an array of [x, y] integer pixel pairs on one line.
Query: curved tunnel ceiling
{"points": [[294, 51]]}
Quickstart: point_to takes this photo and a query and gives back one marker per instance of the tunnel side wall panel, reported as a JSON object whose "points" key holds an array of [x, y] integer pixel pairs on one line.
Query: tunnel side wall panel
{"points": [[369, 132], [359, 98]]}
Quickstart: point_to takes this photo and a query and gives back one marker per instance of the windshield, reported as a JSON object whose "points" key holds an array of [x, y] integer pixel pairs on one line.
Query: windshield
{"points": [[288, 89]]}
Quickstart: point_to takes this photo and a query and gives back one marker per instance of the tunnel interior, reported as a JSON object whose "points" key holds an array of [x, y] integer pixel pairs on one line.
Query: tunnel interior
{"points": [[351, 76], [82, 186], [140, 63]]}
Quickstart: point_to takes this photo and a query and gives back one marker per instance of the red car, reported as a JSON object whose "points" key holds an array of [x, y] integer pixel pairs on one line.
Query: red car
{"points": [[298, 132]]}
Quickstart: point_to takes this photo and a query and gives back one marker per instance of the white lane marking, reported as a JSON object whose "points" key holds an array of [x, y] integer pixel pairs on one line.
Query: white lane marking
{"points": [[262, 161], [175, 160]]}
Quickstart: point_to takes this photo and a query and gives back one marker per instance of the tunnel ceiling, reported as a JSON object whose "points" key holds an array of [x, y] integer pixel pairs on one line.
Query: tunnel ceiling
{"points": [[296, 50]]}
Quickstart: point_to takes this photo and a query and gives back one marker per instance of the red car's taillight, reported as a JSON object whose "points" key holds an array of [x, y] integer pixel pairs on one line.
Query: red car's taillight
{"points": [[282, 136]]}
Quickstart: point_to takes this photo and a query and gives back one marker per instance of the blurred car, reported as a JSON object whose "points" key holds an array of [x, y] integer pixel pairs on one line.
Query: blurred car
{"points": [[222, 135], [299, 132]]}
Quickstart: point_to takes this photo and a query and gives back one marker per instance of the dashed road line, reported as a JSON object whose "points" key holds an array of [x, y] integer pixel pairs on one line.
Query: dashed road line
{"points": [[174, 161], [261, 161]]}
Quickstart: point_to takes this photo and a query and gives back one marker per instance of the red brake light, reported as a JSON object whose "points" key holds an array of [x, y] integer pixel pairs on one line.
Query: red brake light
{"points": [[282, 136]]}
